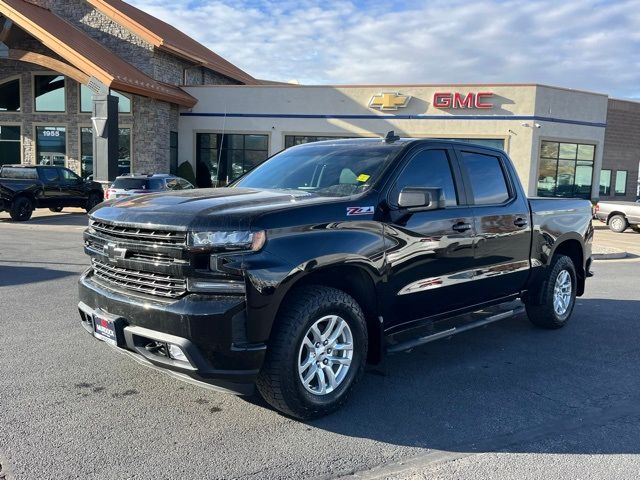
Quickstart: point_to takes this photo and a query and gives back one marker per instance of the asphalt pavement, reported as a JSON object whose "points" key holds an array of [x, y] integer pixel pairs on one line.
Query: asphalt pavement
{"points": [[504, 401]]}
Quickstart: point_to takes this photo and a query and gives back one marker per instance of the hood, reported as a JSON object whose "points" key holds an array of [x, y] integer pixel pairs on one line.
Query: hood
{"points": [[202, 208]]}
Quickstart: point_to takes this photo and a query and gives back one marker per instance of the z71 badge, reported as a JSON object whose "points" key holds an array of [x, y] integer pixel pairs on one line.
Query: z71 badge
{"points": [[359, 211]]}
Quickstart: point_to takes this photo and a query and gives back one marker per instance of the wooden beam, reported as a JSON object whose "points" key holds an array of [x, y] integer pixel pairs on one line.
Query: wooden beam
{"points": [[50, 63]]}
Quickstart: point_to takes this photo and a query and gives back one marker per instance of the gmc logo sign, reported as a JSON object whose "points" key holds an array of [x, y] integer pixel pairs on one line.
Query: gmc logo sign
{"points": [[459, 100]]}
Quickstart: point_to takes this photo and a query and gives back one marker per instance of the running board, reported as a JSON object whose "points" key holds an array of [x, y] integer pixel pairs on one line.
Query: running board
{"points": [[409, 344]]}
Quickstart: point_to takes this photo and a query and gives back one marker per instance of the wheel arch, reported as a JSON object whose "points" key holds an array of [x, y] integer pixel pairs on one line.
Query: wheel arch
{"points": [[614, 213], [358, 281], [573, 249]]}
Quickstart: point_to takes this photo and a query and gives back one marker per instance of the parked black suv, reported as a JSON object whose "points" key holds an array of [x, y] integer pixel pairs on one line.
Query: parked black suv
{"points": [[24, 188], [326, 256]]}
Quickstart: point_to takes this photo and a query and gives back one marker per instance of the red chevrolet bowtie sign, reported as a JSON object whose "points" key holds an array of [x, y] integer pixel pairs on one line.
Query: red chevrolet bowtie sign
{"points": [[459, 100]]}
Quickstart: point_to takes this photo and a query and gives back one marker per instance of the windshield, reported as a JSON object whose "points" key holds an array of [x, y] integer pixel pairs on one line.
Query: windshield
{"points": [[328, 170]]}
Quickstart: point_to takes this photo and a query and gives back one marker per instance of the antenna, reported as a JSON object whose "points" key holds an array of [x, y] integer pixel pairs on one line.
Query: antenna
{"points": [[391, 137]]}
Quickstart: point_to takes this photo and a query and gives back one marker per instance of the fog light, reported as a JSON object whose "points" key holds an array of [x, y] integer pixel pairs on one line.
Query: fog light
{"points": [[176, 353]]}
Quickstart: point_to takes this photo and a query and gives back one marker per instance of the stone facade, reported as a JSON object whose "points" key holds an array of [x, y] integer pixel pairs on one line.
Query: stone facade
{"points": [[151, 120], [622, 145]]}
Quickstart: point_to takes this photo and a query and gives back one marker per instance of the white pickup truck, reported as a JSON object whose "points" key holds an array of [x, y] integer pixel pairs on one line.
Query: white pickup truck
{"points": [[619, 215]]}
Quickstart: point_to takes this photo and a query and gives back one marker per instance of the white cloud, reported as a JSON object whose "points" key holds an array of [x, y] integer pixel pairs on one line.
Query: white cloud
{"points": [[587, 44]]}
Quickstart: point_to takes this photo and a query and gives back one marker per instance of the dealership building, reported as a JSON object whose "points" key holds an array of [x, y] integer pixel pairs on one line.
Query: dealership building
{"points": [[65, 64]]}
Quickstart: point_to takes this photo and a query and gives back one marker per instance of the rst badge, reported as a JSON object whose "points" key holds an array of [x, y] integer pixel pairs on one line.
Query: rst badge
{"points": [[359, 211]]}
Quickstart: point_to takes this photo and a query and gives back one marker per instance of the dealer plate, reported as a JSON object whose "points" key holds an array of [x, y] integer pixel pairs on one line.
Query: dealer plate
{"points": [[105, 328]]}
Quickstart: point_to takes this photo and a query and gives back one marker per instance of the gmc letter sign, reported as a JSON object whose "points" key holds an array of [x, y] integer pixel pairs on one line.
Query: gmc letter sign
{"points": [[458, 100]]}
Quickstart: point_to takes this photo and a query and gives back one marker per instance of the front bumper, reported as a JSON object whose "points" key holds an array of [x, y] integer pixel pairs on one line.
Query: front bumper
{"points": [[210, 330]]}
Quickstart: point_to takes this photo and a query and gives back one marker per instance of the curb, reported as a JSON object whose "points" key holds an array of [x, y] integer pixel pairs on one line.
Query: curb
{"points": [[610, 255]]}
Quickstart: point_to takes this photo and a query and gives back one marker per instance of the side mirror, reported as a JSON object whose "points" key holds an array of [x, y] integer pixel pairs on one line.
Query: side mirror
{"points": [[418, 199]]}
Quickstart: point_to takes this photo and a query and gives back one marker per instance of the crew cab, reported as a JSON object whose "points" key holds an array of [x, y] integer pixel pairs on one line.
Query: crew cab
{"points": [[325, 257], [24, 188]]}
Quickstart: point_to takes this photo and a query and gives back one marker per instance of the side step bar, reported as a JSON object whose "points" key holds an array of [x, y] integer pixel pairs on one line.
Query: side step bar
{"points": [[409, 344]]}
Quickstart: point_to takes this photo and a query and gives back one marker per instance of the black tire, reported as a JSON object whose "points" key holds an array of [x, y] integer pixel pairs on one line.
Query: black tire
{"points": [[21, 209], [544, 314], [618, 223], [279, 382], [93, 200], [56, 209]]}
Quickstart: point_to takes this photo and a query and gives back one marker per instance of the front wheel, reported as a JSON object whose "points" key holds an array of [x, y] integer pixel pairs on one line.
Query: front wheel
{"points": [[316, 353], [618, 223], [558, 295], [21, 209]]}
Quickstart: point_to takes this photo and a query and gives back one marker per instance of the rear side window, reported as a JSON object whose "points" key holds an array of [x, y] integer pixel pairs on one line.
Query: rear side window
{"points": [[20, 173], [49, 174], [429, 169], [486, 178]]}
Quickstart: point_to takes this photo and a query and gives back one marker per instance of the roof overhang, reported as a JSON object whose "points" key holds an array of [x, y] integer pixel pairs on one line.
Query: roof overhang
{"points": [[88, 56]]}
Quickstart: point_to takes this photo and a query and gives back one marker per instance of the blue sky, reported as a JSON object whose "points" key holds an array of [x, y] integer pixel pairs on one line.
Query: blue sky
{"points": [[584, 44]]}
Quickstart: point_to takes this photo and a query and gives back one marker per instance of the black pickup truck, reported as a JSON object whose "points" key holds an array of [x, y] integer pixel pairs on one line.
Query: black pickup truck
{"points": [[327, 256], [24, 188]]}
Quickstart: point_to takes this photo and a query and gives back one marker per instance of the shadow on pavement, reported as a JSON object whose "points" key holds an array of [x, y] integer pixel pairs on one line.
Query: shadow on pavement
{"points": [[54, 219], [11, 276], [504, 386]]}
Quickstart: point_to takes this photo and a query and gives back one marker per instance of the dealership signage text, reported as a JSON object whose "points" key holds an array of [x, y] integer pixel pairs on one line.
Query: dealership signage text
{"points": [[456, 100]]}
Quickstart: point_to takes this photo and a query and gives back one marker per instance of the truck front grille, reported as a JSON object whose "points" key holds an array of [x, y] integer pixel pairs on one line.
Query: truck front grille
{"points": [[141, 235], [140, 281]]}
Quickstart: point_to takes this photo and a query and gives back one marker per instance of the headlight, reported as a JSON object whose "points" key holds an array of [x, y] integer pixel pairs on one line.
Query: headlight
{"points": [[253, 241]]}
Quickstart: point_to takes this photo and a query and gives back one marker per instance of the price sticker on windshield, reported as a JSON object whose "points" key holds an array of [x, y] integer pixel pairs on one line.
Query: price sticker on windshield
{"points": [[351, 211]]}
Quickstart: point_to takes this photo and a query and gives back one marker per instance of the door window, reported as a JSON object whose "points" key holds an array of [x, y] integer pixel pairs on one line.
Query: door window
{"points": [[486, 178], [68, 176], [429, 169], [49, 174]]}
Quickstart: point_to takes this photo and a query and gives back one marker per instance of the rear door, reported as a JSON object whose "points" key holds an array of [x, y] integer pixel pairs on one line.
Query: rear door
{"points": [[72, 188], [501, 220], [430, 253], [51, 191]]}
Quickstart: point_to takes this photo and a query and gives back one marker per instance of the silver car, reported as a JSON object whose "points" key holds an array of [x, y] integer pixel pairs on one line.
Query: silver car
{"points": [[619, 215], [129, 185]]}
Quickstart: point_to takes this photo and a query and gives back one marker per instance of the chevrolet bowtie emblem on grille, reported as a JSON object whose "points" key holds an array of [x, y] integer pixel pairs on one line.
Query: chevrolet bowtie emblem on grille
{"points": [[389, 101], [113, 253]]}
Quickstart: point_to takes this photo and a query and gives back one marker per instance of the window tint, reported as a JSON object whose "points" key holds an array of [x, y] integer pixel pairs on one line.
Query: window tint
{"points": [[49, 174], [428, 169], [68, 175], [486, 177], [19, 172]]}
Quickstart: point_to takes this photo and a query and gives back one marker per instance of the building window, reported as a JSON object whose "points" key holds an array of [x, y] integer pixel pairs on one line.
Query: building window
{"points": [[223, 158], [51, 146], [566, 169], [293, 140], [10, 96], [86, 100], [173, 152], [124, 151], [49, 93], [621, 182], [605, 182], [86, 151], [9, 144]]}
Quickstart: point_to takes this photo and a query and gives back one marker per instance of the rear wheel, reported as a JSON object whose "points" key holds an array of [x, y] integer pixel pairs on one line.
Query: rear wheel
{"points": [[618, 223], [21, 209], [558, 295], [93, 200], [316, 353], [56, 209]]}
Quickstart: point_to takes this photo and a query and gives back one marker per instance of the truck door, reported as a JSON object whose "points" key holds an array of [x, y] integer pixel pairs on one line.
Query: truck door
{"points": [[51, 192], [501, 216], [71, 188], [430, 254]]}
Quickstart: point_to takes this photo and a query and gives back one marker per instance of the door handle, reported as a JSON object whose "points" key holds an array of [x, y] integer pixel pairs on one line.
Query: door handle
{"points": [[462, 227], [520, 222]]}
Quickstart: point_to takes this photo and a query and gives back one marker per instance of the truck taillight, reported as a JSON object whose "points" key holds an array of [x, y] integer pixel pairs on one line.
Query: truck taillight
{"points": [[596, 208], [108, 194]]}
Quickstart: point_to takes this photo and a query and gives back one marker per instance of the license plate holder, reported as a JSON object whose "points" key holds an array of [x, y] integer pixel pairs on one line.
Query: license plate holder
{"points": [[108, 328]]}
